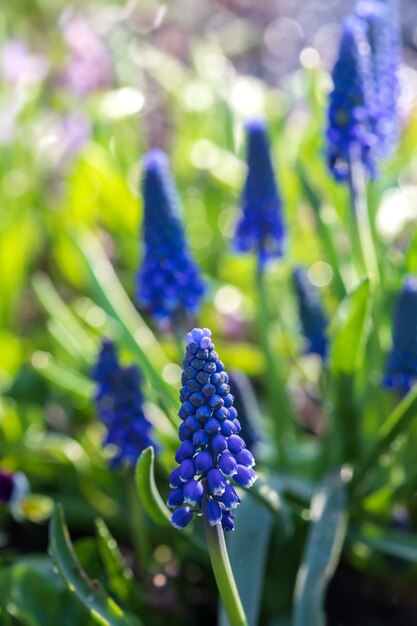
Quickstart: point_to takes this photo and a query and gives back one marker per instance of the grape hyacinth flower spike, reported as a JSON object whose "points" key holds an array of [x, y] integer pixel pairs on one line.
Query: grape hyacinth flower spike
{"points": [[383, 34], [119, 403], [352, 110], [261, 227], [211, 453], [401, 367], [169, 284], [312, 316]]}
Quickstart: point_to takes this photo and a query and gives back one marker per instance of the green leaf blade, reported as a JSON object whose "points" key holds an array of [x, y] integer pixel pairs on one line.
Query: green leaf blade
{"points": [[349, 329], [147, 490], [322, 551], [102, 608]]}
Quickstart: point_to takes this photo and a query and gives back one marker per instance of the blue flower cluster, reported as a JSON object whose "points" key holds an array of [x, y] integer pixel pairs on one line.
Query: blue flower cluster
{"points": [[119, 403], [401, 367], [312, 316], [211, 450], [169, 282], [261, 227], [384, 40], [352, 110]]}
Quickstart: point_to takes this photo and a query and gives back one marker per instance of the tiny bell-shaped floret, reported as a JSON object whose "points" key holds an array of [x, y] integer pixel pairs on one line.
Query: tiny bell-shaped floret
{"points": [[182, 517], [213, 512]]}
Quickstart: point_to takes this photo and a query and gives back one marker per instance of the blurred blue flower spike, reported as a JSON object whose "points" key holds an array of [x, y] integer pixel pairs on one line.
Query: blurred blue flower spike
{"points": [[119, 403], [169, 281], [312, 316], [384, 38], [401, 367], [211, 451], [261, 227], [353, 107]]}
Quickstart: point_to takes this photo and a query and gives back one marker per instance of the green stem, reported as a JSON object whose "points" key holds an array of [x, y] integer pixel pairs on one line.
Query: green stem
{"points": [[223, 573], [362, 232], [281, 412]]}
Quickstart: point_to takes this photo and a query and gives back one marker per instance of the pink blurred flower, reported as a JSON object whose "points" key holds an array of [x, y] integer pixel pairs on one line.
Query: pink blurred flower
{"points": [[20, 66], [75, 130], [89, 67]]}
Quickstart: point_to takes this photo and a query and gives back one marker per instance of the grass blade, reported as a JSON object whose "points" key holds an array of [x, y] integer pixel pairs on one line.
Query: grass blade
{"points": [[397, 423], [63, 377], [73, 336], [136, 334]]}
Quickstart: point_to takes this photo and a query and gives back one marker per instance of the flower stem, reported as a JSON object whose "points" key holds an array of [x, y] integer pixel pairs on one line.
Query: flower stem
{"points": [[362, 228], [281, 412], [223, 573]]}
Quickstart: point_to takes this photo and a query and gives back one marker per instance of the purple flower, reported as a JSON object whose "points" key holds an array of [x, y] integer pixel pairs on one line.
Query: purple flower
{"points": [[6, 486], [19, 66], [201, 482], [89, 67], [74, 130]]}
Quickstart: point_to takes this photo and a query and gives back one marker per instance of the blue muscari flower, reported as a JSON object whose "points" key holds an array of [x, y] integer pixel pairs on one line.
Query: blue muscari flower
{"points": [[312, 316], [169, 282], [385, 42], [261, 227], [401, 367], [352, 110], [211, 452], [119, 403]]}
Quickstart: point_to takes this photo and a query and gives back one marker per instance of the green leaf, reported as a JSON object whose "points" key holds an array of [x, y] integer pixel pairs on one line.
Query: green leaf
{"points": [[36, 594], [349, 329], [248, 552], [324, 231], [391, 543], [397, 423], [100, 606], [322, 551], [63, 376], [147, 490], [137, 335], [65, 325], [119, 577]]}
